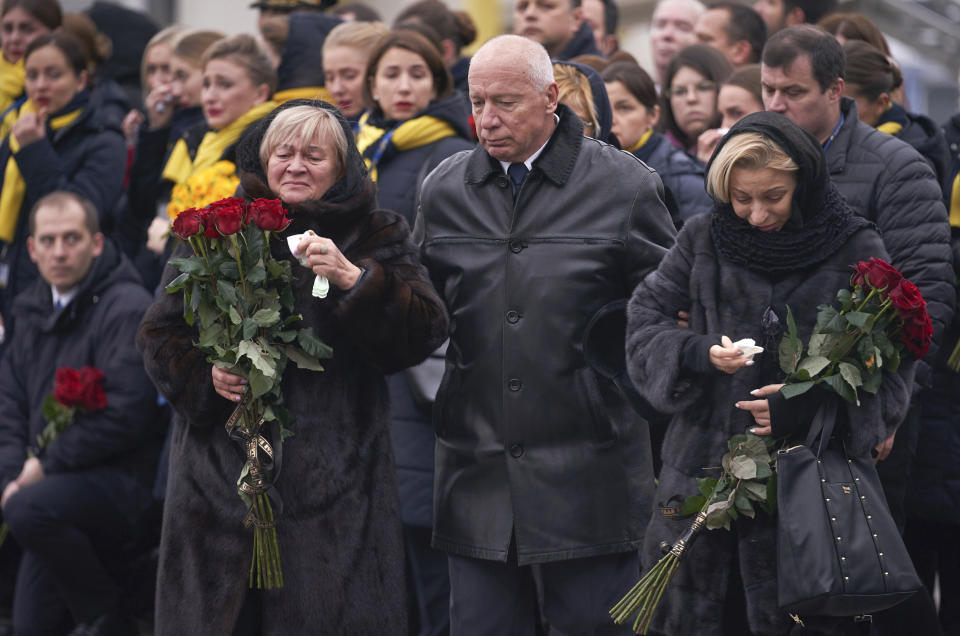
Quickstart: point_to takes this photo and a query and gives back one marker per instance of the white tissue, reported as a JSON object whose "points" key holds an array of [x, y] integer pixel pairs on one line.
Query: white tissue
{"points": [[321, 286], [748, 347]]}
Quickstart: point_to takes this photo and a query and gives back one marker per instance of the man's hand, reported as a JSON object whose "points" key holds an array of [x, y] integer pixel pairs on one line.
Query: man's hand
{"points": [[32, 472], [9, 491], [760, 409]]}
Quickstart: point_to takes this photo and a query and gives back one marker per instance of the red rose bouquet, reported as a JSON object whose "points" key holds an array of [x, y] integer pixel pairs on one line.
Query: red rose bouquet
{"points": [[74, 392], [239, 298], [849, 349]]}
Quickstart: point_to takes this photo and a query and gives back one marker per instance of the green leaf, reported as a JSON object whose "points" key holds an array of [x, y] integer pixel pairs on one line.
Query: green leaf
{"points": [[756, 448], [706, 485], [718, 516], [257, 274], [851, 374], [228, 292], [841, 388], [872, 381], [267, 317], [252, 350], [845, 298], [859, 319], [790, 351], [793, 390], [274, 269], [249, 328], [210, 336], [821, 343], [229, 269], [735, 442], [234, 315], [763, 469], [892, 362], [300, 359], [825, 315], [791, 324], [755, 490], [286, 297], [190, 265], [743, 504], [692, 505], [312, 345], [259, 383], [743, 467], [177, 283], [207, 312], [814, 365]]}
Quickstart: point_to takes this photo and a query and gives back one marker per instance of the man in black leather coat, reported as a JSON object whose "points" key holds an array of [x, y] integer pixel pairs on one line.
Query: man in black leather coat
{"points": [[543, 470]]}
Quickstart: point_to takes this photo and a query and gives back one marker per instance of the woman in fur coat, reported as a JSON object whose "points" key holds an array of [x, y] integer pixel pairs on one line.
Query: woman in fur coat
{"points": [[779, 234], [339, 530]]}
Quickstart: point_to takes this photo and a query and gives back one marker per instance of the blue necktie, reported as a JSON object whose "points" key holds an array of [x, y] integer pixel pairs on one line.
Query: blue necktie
{"points": [[517, 173], [58, 305]]}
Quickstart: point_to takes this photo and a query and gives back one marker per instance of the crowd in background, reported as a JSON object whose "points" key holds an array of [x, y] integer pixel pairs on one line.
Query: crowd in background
{"points": [[140, 142]]}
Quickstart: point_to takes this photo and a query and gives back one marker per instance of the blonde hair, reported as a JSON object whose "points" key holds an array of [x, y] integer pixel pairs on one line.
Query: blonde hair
{"points": [[575, 91], [190, 46], [166, 36], [749, 150], [244, 51], [305, 124], [358, 35]]}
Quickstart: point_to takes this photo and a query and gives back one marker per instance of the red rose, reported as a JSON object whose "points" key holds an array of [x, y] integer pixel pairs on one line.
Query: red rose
{"points": [[228, 215], [187, 223], [916, 334], [269, 215], [209, 218], [68, 387], [94, 398], [877, 273], [906, 298]]}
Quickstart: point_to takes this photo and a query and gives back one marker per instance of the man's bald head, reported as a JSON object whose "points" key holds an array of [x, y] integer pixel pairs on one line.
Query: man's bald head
{"points": [[525, 54]]}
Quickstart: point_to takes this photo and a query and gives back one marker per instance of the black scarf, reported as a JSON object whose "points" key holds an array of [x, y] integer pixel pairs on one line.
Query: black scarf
{"points": [[820, 223]]}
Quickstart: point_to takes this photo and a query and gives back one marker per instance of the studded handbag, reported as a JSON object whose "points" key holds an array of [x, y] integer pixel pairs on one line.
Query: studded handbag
{"points": [[838, 549]]}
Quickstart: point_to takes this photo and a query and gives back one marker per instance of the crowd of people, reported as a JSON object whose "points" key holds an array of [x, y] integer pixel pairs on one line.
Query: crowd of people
{"points": [[538, 258]]}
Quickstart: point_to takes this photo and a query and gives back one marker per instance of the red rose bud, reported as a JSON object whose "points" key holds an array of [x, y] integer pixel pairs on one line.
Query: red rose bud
{"points": [[906, 298], [68, 387], [209, 223], [269, 215], [877, 273], [229, 219], [94, 398], [187, 223], [916, 334]]}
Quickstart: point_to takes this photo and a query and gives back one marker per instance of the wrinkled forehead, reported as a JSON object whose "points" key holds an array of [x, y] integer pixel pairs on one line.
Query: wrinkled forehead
{"points": [[506, 74]]}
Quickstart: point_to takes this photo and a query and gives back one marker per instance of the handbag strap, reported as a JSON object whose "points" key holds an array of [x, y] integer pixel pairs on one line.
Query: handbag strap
{"points": [[822, 425]]}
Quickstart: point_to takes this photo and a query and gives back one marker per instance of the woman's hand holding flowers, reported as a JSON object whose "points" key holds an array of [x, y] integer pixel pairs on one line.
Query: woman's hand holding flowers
{"points": [[325, 259], [228, 385]]}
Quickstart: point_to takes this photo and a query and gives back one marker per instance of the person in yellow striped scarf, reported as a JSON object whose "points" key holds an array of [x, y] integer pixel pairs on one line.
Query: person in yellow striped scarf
{"points": [[21, 22], [58, 142], [871, 79], [238, 82], [418, 121]]}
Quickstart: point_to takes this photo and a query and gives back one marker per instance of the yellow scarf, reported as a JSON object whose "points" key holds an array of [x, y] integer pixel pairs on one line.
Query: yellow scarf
{"points": [[955, 203], [12, 78], [14, 187], [180, 167], [892, 128], [304, 92], [374, 142], [643, 140]]}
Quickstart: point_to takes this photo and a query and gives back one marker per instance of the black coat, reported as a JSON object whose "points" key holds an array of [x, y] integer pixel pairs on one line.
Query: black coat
{"points": [[923, 134], [531, 440], [681, 174], [96, 329], [339, 533], [729, 299], [582, 43], [87, 157], [888, 182]]}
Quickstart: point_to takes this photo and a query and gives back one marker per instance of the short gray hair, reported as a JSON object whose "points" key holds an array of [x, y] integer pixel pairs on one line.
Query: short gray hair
{"points": [[306, 124], [538, 67]]}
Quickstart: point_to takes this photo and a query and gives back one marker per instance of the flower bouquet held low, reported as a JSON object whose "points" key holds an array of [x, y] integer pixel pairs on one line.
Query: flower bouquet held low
{"points": [[240, 300], [75, 392], [849, 349]]}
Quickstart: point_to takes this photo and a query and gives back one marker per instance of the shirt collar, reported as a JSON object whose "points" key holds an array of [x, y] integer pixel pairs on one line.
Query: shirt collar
{"points": [[65, 298], [529, 161]]}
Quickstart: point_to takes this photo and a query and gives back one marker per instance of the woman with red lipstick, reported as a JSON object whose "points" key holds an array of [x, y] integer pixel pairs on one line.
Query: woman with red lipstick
{"points": [[21, 22], [417, 122], [58, 142], [689, 103], [780, 234]]}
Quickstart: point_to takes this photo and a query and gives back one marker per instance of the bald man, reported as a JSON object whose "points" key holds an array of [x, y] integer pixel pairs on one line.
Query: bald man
{"points": [[543, 471]]}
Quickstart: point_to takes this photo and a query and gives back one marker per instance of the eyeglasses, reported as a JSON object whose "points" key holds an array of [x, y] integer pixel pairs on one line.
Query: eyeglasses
{"points": [[705, 86]]}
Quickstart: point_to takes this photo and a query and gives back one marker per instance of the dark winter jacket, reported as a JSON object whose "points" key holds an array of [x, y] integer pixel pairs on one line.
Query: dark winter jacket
{"points": [[681, 173], [920, 132], [581, 44], [87, 157], [97, 329], [531, 441], [302, 62], [400, 177], [935, 474], [339, 532], [889, 183]]}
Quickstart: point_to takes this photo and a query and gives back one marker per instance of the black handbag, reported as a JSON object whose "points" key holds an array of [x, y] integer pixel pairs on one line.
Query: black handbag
{"points": [[838, 549]]}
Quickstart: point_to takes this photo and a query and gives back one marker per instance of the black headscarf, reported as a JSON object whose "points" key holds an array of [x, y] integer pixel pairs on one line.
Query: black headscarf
{"points": [[820, 222], [253, 176]]}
